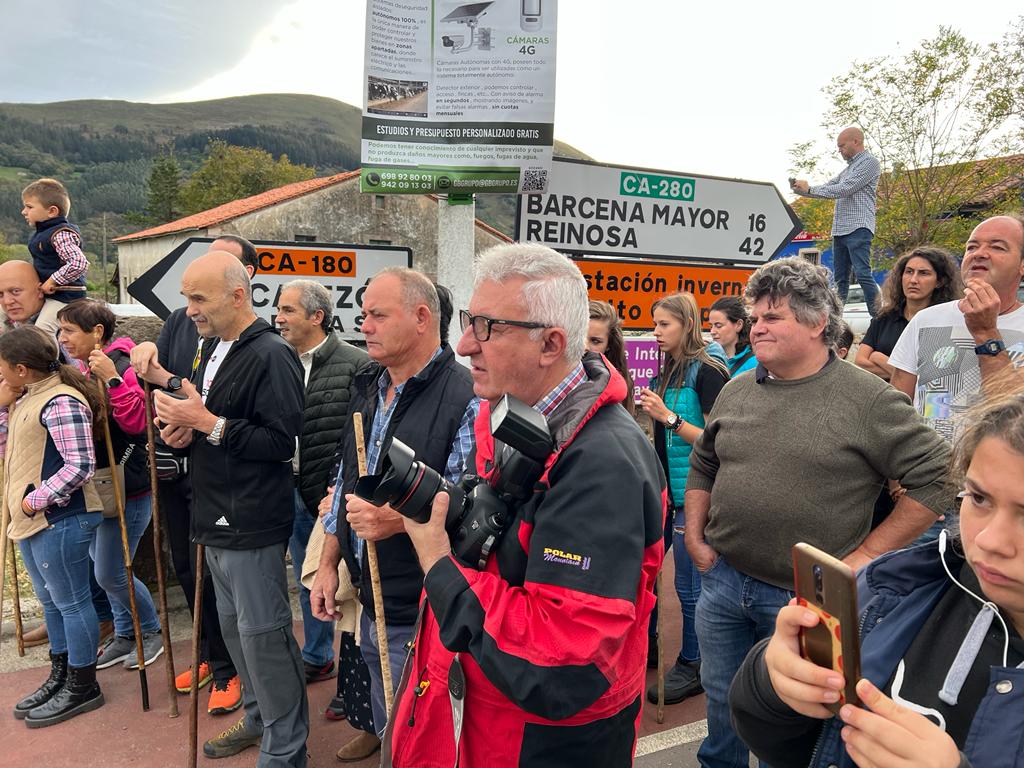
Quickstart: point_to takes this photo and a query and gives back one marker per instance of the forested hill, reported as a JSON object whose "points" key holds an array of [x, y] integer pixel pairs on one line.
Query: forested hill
{"points": [[104, 150]]}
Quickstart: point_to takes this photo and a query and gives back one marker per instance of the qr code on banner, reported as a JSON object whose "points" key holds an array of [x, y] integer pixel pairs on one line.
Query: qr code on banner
{"points": [[535, 181]]}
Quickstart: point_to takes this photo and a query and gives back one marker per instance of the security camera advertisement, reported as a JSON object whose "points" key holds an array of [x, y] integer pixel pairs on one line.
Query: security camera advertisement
{"points": [[459, 97]]}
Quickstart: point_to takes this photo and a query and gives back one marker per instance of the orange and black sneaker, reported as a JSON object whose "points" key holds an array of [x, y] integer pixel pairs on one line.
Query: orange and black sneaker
{"points": [[225, 696], [183, 682]]}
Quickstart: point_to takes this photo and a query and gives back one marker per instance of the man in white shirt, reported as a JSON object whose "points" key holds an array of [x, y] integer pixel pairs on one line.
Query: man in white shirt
{"points": [[949, 352]]}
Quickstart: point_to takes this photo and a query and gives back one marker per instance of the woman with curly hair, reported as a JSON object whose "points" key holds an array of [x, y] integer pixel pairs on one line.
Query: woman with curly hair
{"points": [[920, 278]]}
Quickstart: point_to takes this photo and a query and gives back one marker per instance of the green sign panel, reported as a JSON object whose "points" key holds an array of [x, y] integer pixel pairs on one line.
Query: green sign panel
{"points": [[636, 184]]}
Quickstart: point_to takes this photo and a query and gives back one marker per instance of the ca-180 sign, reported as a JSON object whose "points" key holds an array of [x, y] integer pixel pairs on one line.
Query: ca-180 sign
{"points": [[617, 211], [343, 269]]}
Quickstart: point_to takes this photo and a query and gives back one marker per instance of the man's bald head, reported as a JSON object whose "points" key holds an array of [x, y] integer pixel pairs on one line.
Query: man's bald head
{"points": [[218, 294], [850, 142], [20, 293]]}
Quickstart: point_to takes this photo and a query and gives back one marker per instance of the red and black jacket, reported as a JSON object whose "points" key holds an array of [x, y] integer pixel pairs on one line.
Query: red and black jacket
{"points": [[552, 634]]}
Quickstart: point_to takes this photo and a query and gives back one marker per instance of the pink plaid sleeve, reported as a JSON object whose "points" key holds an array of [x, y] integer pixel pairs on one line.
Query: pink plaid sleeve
{"points": [[69, 423]]}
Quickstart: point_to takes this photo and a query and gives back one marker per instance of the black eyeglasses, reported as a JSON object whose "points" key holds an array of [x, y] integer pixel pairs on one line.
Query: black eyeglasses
{"points": [[482, 325]]}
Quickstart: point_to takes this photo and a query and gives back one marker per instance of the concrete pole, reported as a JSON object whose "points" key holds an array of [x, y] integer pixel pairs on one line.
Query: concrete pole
{"points": [[456, 232]]}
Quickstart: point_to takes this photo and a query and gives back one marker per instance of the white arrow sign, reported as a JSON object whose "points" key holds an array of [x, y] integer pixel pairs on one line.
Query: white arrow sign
{"points": [[602, 209], [343, 270]]}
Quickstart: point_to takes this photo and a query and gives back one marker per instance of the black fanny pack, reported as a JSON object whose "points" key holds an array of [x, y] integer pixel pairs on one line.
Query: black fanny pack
{"points": [[169, 466]]}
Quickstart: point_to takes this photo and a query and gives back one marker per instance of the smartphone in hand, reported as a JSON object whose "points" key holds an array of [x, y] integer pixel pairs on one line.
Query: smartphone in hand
{"points": [[828, 587]]}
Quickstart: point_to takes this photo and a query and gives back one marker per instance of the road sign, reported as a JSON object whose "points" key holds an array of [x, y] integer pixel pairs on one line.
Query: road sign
{"points": [[591, 208], [632, 287], [343, 269]]}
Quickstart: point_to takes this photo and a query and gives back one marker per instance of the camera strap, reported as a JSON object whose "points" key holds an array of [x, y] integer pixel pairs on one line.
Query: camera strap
{"points": [[457, 696]]}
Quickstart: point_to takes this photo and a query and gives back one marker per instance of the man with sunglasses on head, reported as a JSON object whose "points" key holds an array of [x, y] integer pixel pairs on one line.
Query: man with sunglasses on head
{"points": [[539, 658], [413, 390]]}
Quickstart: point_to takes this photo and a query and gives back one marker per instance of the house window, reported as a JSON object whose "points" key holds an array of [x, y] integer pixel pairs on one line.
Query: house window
{"points": [[379, 201], [305, 238], [380, 242]]}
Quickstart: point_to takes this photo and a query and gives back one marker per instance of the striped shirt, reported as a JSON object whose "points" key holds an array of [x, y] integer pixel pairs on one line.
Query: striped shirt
{"points": [[69, 423], [69, 248], [854, 191], [458, 456]]}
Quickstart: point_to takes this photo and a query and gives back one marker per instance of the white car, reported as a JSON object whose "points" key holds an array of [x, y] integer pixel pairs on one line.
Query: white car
{"points": [[855, 313]]}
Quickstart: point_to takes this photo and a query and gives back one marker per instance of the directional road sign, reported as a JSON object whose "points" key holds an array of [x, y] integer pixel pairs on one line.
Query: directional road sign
{"points": [[343, 269], [591, 208]]}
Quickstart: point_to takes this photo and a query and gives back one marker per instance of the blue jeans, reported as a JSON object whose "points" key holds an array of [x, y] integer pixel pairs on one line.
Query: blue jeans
{"points": [[399, 636], [855, 249], [57, 560], [318, 646], [734, 612], [687, 589], [108, 557]]}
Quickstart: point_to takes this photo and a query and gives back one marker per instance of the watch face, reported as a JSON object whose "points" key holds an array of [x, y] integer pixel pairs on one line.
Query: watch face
{"points": [[174, 383]]}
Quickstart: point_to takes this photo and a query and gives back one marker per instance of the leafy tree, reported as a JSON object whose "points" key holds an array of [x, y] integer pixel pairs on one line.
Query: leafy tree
{"points": [[163, 190], [231, 173], [945, 121]]}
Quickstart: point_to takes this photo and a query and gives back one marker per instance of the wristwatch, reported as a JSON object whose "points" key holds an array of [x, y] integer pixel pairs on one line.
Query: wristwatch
{"points": [[116, 381], [991, 347], [215, 436], [173, 384], [673, 422]]}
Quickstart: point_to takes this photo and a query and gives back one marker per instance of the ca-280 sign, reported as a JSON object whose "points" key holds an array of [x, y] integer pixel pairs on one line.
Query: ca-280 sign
{"points": [[593, 209]]}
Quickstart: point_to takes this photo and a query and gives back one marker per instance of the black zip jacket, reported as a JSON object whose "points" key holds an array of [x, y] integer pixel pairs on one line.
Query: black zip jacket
{"points": [[243, 489]]}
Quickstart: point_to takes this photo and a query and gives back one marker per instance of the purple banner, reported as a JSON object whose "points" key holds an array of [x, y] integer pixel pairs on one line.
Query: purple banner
{"points": [[642, 361]]}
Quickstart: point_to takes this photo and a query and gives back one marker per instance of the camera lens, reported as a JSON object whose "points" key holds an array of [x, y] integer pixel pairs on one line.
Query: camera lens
{"points": [[409, 486]]}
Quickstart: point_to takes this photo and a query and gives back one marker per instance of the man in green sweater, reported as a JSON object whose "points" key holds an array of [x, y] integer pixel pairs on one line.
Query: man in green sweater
{"points": [[795, 450]]}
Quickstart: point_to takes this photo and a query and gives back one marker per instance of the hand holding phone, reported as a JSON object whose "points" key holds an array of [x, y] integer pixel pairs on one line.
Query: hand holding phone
{"points": [[827, 587]]}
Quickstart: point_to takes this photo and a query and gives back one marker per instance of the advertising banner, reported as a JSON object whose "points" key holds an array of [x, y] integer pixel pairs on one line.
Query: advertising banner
{"points": [[459, 97]]}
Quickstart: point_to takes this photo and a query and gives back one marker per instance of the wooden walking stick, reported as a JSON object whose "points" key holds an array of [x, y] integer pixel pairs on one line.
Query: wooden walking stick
{"points": [[4, 520], [158, 554], [115, 483], [18, 631], [197, 631], [378, 594]]}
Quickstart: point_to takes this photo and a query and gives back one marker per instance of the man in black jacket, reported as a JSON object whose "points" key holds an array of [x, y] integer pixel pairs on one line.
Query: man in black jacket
{"points": [[241, 420], [173, 358], [304, 313], [415, 391]]}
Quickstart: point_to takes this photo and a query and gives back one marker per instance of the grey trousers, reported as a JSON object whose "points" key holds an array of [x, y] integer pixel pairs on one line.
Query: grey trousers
{"points": [[256, 621]]}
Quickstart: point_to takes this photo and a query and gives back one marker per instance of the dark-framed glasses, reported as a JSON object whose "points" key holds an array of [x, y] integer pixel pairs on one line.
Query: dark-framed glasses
{"points": [[482, 325]]}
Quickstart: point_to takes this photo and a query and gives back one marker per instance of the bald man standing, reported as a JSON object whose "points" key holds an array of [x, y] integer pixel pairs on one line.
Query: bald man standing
{"points": [[22, 301], [241, 417], [853, 223]]}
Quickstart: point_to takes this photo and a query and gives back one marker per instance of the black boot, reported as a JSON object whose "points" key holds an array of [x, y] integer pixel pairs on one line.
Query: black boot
{"points": [[45, 692], [81, 693]]}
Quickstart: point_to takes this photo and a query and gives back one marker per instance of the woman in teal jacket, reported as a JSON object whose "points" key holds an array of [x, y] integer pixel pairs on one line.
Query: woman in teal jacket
{"points": [[730, 327], [691, 373]]}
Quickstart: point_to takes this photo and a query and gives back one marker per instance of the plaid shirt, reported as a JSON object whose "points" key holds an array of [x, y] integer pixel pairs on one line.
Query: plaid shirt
{"points": [[547, 404], [458, 457], [69, 248], [854, 191], [69, 423]]}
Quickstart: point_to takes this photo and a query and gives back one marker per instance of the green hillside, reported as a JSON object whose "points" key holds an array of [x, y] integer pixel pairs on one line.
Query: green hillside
{"points": [[103, 150]]}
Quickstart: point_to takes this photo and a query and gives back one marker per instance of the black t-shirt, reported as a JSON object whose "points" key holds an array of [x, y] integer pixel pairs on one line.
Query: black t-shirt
{"points": [[884, 331], [927, 661]]}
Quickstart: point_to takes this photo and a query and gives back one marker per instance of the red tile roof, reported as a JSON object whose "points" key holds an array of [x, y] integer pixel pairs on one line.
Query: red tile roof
{"points": [[237, 208]]}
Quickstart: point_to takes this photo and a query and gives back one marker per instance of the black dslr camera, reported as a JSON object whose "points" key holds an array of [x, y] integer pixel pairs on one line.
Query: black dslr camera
{"points": [[479, 512]]}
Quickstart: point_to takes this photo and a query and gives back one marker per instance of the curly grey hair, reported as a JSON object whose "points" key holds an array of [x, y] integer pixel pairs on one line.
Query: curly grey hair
{"points": [[554, 291], [808, 288]]}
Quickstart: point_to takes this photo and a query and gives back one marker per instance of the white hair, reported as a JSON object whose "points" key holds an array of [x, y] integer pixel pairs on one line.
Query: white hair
{"points": [[554, 291]]}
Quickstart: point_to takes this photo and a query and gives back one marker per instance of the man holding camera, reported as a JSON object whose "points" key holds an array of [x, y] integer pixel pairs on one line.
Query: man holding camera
{"points": [[538, 658], [413, 390]]}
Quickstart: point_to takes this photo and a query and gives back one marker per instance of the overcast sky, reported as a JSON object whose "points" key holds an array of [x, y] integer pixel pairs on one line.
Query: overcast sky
{"points": [[722, 88]]}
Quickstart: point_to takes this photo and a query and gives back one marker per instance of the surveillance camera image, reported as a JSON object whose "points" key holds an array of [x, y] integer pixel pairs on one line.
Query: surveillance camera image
{"points": [[407, 98], [476, 37], [530, 15]]}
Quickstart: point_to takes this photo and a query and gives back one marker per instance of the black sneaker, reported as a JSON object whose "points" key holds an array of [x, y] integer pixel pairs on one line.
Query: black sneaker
{"points": [[681, 682], [336, 709], [315, 673], [232, 741], [152, 647], [114, 650]]}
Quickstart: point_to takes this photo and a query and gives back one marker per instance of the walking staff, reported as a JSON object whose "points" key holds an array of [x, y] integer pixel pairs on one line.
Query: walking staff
{"points": [[115, 482], [5, 551], [158, 553], [378, 593], [197, 632]]}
